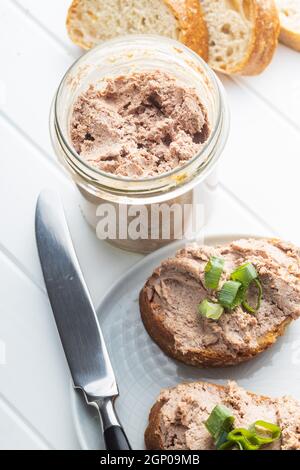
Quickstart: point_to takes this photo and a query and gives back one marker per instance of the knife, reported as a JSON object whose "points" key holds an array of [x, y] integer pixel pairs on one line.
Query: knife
{"points": [[76, 318]]}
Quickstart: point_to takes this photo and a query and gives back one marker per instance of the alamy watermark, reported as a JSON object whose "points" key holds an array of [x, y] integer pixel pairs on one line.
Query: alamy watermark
{"points": [[150, 222]]}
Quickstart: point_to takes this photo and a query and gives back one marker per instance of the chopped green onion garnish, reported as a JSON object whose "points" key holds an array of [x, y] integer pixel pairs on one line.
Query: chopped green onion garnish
{"points": [[258, 435], [234, 292], [213, 272], [265, 433], [245, 438], [219, 421], [231, 295], [245, 302], [245, 274], [210, 310]]}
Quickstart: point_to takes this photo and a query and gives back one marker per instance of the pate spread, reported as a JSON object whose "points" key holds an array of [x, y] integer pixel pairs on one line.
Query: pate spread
{"points": [[140, 125]]}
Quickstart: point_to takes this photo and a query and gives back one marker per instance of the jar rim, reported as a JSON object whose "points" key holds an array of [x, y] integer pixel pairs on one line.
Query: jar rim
{"points": [[148, 40]]}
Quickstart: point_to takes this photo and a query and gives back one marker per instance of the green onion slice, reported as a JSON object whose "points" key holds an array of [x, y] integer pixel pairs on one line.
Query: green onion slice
{"points": [[245, 274], [213, 272], [244, 438], [231, 445], [231, 294], [219, 421], [245, 302], [220, 425], [265, 433], [210, 310], [258, 435], [222, 440]]}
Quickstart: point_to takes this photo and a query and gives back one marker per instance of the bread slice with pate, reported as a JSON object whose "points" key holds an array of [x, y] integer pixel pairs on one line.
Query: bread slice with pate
{"points": [[289, 14], [90, 22], [243, 34], [176, 421], [170, 299]]}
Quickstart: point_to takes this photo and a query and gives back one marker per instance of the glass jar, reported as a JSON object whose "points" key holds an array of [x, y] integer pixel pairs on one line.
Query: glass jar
{"points": [[191, 185]]}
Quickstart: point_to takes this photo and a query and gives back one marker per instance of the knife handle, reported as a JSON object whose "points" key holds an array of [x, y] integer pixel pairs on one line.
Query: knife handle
{"points": [[115, 439], [114, 435]]}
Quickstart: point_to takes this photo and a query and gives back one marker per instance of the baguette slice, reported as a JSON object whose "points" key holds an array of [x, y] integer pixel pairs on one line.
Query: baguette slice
{"points": [[170, 298], [289, 14], [90, 22], [243, 34], [176, 420]]}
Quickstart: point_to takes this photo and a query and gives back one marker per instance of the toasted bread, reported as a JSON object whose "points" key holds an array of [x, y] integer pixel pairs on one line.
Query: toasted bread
{"points": [[170, 297], [289, 14], [176, 421], [243, 34], [90, 22]]}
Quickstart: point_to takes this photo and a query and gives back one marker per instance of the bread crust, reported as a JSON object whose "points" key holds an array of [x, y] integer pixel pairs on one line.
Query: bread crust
{"points": [[72, 14], [193, 29], [152, 317], [188, 14], [264, 39], [290, 38], [153, 440]]}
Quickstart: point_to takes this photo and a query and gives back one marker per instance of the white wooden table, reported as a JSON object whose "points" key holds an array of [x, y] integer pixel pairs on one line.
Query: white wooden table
{"points": [[259, 193]]}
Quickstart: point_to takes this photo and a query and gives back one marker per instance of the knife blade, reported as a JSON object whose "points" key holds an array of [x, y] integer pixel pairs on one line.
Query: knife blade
{"points": [[75, 316]]}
